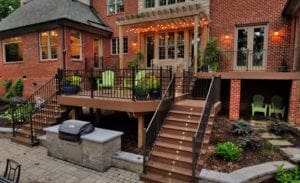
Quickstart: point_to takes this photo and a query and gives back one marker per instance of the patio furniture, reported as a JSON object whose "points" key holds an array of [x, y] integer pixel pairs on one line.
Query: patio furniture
{"points": [[140, 76], [276, 106], [108, 79], [12, 171], [258, 105]]}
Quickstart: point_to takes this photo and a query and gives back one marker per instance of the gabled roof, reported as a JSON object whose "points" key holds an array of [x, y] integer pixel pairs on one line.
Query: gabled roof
{"points": [[291, 7], [45, 11]]}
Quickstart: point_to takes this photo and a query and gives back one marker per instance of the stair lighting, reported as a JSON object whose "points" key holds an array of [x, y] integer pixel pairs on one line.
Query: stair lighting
{"points": [[173, 162], [189, 116], [177, 152], [191, 109], [170, 173], [183, 133], [186, 124], [180, 142]]}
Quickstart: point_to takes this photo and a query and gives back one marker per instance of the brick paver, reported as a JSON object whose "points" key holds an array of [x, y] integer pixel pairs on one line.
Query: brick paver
{"points": [[37, 167]]}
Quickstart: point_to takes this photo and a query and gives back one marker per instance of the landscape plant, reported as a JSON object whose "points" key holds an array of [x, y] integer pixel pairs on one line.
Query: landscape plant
{"points": [[229, 151], [136, 60], [250, 142], [15, 89], [280, 128], [288, 176], [212, 54], [241, 128]]}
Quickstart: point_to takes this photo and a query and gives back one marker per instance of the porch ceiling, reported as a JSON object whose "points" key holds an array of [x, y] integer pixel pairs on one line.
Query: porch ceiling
{"points": [[183, 13]]}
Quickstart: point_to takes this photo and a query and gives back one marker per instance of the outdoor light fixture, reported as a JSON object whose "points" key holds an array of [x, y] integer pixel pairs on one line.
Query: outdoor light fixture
{"points": [[133, 44], [226, 37], [276, 33]]}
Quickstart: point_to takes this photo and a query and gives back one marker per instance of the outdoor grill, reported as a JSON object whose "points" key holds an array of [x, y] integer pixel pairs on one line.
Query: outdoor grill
{"points": [[71, 130]]}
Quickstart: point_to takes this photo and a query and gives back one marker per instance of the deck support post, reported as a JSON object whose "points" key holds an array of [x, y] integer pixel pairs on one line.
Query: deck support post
{"points": [[141, 124], [98, 116]]}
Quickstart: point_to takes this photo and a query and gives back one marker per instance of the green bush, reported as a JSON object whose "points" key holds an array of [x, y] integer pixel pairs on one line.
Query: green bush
{"points": [[18, 87], [13, 90], [241, 128], [229, 151], [250, 142], [287, 176]]}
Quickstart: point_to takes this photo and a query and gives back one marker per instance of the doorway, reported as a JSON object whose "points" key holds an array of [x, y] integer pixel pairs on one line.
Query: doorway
{"points": [[149, 50], [97, 53]]}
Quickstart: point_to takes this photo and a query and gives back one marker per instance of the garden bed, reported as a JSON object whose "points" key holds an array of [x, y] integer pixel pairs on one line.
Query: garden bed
{"points": [[221, 133]]}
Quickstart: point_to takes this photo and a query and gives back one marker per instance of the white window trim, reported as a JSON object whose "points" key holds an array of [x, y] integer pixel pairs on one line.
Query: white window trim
{"points": [[157, 3], [80, 38], [4, 53], [175, 44], [265, 56], [48, 46], [116, 8], [117, 46]]}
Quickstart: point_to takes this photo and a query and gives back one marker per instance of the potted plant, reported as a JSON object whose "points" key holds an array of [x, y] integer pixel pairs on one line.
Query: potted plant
{"points": [[211, 55], [71, 85], [153, 87], [136, 60], [141, 90]]}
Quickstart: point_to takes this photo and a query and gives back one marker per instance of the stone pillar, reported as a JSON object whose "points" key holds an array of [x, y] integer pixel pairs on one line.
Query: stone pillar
{"points": [[121, 48], [140, 130], [196, 32], [294, 108], [235, 99]]}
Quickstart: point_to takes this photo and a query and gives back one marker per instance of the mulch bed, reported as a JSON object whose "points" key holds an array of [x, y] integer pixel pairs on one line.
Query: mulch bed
{"points": [[221, 133]]}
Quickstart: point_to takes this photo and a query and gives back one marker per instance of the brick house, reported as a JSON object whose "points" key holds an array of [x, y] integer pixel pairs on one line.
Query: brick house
{"points": [[168, 33]]}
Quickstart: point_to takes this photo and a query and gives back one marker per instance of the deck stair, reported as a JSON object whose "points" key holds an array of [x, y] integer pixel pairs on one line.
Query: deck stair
{"points": [[48, 115], [171, 157]]}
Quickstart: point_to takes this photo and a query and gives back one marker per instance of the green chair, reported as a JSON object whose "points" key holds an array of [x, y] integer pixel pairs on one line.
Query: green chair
{"points": [[108, 80], [258, 105], [141, 75], [276, 106]]}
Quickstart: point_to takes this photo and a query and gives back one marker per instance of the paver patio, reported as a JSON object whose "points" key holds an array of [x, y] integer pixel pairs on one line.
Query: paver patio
{"points": [[37, 167]]}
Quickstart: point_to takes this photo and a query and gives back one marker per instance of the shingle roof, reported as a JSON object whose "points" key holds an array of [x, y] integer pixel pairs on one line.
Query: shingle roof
{"points": [[43, 11]]}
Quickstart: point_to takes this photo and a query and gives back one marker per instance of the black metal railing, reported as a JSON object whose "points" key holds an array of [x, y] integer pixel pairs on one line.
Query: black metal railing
{"points": [[187, 76], [135, 84], [22, 112], [162, 110], [212, 97], [200, 88], [273, 59]]}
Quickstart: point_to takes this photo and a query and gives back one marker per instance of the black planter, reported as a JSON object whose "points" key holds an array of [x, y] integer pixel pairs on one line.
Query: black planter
{"points": [[70, 90], [155, 94], [204, 68], [140, 94]]}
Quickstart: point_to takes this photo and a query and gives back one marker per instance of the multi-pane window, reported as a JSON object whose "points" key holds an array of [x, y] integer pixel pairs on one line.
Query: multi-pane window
{"points": [[13, 49], [48, 45], [115, 6], [149, 3], [169, 2], [76, 47], [115, 46], [171, 45], [162, 46]]}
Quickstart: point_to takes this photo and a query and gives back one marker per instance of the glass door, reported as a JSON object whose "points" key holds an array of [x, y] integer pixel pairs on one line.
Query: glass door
{"points": [[149, 50], [250, 46]]}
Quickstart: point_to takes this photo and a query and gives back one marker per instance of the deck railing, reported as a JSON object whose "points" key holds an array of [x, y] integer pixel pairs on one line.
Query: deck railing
{"points": [[187, 76], [212, 97], [152, 130], [135, 84], [273, 59], [22, 112]]}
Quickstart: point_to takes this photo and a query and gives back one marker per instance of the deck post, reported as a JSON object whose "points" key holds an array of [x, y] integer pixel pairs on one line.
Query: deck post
{"points": [[196, 32], [140, 130], [121, 47]]}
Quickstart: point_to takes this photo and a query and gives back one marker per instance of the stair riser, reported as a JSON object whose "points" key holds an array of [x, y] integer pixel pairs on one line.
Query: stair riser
{"points": [[182, 124], [187, 108], [173, 151], [178, 132], [184, 116], [170, 162], [185, 140], [173, 175]]}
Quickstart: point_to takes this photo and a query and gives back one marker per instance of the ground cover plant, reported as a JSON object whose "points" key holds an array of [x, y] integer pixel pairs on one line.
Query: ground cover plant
{"points": [[229, 151], [288, 176]]}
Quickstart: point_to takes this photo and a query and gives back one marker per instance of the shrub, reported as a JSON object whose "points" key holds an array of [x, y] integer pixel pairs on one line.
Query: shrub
{"points": [[7, 84], [229, 151], [287, 176], [13, 90], [18, 88], [241, 127], [279, 128], [250, 142]]}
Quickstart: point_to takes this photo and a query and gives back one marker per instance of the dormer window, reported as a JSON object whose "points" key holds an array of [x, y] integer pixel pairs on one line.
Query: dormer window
{"points": [[115, 6]]}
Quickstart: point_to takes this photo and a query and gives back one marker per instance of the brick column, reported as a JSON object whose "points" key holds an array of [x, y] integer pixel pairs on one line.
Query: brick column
{"points": [[294, 108], [235, 99]]}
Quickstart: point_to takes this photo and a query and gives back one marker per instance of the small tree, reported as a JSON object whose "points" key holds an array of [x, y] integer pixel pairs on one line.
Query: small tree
{"points": [[212, 54], [7, 7], [136, 60]]}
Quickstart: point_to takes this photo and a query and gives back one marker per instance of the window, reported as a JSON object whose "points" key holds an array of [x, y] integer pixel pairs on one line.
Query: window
{"points": [[149, 3], [48, 45], [169, 2], [115, 6], [115, 45], [76, 45], [13, 49], [171, 45]]}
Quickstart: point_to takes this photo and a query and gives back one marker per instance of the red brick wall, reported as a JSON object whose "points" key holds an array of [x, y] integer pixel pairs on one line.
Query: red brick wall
{"points": [[235, 98], [294, 108], [130, 7], [37, 71], [225, 15]]}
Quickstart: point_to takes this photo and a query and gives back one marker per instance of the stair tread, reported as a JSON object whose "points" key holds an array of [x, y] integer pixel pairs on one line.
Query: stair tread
{"points": [[186, 112], [174, 127], [169, 168], [172, 156], [160, 178], [177, 137], [183, 120], [173, 146]]}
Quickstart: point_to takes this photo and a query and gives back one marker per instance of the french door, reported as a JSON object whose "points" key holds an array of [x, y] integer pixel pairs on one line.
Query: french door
{"points": [[251, 48]]}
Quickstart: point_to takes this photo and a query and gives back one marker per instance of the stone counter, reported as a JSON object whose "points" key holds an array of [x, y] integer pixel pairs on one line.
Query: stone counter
{"points": [[95, 150]]}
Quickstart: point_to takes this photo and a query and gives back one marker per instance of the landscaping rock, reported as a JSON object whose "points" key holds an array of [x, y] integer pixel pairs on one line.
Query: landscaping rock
{"points": [[292, 153], [280, 142]]}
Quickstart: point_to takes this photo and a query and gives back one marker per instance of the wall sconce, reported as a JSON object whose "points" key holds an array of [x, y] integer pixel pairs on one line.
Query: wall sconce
{"points": [[226, 37], [276, 34], [134, 44]]}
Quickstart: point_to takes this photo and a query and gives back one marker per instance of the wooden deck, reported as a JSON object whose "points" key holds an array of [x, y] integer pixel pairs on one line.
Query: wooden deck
{"points": [[253, 75]]}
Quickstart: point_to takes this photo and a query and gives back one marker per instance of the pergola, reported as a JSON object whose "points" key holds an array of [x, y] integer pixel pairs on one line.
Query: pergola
{"points": [[182, 16]]}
